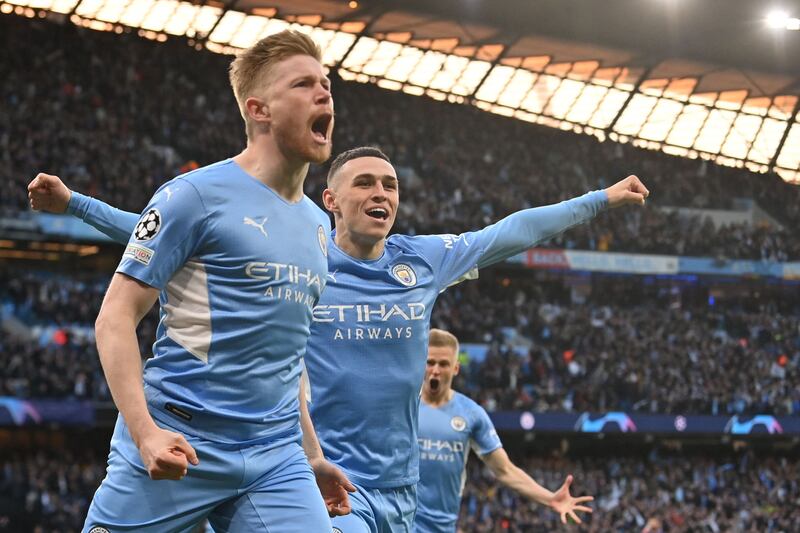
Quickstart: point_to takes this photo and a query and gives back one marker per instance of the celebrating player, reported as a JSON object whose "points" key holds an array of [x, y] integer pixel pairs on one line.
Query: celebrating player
{"points": [[449, 424], [371, 324], [218, 418]]}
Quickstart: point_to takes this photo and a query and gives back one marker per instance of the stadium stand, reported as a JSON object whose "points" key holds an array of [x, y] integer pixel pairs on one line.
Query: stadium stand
{"points": [[80, 103], [89, 116]]}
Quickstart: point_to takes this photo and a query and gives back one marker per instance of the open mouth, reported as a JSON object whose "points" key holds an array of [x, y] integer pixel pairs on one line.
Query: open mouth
{"points": [[434, 384], [320, 127], [378, 213]]}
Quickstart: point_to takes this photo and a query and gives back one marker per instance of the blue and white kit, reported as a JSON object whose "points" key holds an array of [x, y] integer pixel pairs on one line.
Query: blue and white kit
{"points": [[446, 435], [239, 271], [369, 341]]}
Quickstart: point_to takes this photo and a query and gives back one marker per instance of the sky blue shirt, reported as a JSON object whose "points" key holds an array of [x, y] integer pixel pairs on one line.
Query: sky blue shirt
{"points": [[239, 270], [446, 435], [369, 340], [368, 345]]}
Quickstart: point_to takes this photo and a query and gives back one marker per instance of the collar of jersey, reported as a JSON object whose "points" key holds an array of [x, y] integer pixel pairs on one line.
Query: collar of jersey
{"points": [[356, 259], [277, 196]]}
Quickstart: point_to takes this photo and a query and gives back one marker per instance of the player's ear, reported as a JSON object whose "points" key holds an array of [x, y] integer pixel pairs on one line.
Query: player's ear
{"points": [[329, 200], [257, 110], [456, 367]]}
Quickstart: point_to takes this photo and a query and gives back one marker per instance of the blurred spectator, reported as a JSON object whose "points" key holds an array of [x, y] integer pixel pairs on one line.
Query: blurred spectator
{"points": [[683, 493], [80, 104]]}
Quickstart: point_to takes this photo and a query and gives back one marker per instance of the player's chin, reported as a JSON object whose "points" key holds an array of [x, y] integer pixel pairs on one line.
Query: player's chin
{"points": [[319, 153]]}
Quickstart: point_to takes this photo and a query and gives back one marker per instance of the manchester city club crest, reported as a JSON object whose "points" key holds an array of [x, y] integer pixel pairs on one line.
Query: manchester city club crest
{"points": [[405, 275], [458, 423], [323, 240]]}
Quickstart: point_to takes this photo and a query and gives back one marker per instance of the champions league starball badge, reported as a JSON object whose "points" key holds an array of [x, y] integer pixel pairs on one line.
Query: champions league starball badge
{"points": [[148, 226]]}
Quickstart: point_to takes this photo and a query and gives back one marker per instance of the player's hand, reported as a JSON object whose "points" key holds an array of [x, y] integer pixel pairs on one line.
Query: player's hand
{"points": [[565, 505], [628, 191], [166, 455], [334, 486], [48, 193]]}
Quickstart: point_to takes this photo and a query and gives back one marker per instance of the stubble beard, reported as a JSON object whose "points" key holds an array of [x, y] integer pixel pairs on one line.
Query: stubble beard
{"points": [[296, 144]]}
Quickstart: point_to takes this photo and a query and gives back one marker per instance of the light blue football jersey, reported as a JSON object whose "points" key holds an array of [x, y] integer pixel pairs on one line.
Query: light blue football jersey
{"points": [[446, 435], [240, 270], [369, 340]]}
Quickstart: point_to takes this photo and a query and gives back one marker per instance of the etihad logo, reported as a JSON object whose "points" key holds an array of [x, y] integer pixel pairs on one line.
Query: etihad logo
{"points": [[369, 322], [260, 225], [369, 312], [437, 445], [282, 272], [304, 286]]}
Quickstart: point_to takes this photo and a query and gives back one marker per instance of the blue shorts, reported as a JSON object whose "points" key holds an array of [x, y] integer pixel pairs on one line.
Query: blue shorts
{"points": [[256, 488], [427, 524], [379, 511]]}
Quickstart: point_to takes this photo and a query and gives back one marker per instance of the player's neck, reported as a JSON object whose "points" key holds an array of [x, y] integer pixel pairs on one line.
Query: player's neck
{"points": [[263, 161], [358, 248], [437, 400]]}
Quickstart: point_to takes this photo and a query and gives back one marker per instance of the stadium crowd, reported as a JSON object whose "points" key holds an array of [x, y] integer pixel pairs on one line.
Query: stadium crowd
{"points": [[625, 346], [743, 493], [84, 109], [48, 492], [80, 103]]}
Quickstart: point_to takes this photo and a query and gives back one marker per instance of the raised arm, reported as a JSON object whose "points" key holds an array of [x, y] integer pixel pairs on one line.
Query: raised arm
{"points": [[516, 479], [165, 454], [457, 256], [48, 193], [523, 229]]}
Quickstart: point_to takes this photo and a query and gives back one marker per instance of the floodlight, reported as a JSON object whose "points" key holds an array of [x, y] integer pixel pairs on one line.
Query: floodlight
{"points": [[777, 19]]}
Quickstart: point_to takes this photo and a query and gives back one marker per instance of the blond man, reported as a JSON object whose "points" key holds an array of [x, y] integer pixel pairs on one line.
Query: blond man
{"points": [[237, 257], [450, 424]]}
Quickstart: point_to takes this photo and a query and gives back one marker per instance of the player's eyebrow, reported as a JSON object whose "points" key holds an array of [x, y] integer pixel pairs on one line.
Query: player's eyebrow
{"points": [[369, 175], [312, 77]]}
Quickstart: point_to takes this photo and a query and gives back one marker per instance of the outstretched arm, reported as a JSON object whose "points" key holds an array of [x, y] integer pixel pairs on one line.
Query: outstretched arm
{"points": [[523, 229], [456, 255], [48, 193], [332, 482], [515, 478]]}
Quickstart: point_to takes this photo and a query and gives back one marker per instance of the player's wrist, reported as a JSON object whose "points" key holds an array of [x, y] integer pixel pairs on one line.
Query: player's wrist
{"points": [[67, 201], [316, 461], [143, 430]]}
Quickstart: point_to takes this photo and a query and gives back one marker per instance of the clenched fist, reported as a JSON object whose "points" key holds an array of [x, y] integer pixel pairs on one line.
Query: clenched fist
{"points": [[166, 454], [628, 191], [48, 193]]}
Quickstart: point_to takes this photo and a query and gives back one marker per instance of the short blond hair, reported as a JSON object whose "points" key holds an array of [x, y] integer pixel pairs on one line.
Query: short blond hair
{"points": [[440, 337], [253, 66]]}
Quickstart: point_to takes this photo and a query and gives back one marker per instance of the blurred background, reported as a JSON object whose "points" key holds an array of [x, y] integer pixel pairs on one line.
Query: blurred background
{"points": [[653, 353]]}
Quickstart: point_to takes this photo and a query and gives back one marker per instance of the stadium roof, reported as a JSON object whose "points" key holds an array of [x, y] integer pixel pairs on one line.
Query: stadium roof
{"points": [[713, 34], [698, 78]]}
